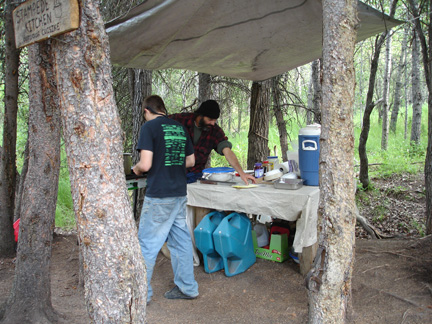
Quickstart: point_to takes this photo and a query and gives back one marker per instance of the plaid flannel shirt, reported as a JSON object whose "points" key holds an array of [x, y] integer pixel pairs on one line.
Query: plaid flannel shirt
{"points": [[208, 140]]}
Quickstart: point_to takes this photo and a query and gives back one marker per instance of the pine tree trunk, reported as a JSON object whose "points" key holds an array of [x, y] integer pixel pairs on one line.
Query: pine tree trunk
{"points": [[329, 281], [115, 285], [280, 121], [317, 97], [142, 87], [426, 47], [398, 83], [204, 87], [7, 165], [364, 167], [204, 93], [386, 89], [416, 93], [258, 149], [309, 111], [30, 298]]}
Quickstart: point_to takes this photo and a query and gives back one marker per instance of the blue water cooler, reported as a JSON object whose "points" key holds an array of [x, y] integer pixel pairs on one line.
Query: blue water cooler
{"points": [[204, 241], [233, 241], [309, 151]]}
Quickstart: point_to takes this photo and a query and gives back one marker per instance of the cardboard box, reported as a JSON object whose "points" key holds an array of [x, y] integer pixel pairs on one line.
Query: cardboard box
{"points": [[277, 251]]}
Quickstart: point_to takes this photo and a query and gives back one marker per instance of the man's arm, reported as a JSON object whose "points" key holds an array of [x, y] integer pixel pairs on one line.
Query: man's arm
{"points": [[145, 162], [233, 161], [190, 161]]}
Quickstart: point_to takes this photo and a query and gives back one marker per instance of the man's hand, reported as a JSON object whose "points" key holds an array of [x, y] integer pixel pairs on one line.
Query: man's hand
{"points": [[233, 161], [246, 177]]}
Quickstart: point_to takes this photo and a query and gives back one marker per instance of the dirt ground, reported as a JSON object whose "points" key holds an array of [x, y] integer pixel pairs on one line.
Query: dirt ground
{"points": [[392, 283]]}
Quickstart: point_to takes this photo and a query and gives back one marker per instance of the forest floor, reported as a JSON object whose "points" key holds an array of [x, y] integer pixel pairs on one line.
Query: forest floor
{"points": [[391, 281]]}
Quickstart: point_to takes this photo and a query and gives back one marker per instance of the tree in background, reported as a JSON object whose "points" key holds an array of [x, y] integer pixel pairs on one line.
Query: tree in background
{"points": [[114, 272], [30, 298], [426, 48], [386, 92], [280, 121], [315, 94], [8, 172], [370, 104], [329, 280], [258, 149], [400, 69], [141, 88], [416, 91]]}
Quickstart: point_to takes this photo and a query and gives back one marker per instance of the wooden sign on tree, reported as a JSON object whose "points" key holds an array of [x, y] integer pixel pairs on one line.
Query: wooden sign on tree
{"points": [[37, 20]]}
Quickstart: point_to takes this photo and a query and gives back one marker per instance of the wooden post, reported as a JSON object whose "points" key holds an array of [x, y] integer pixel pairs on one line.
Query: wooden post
{"points": [[307, 257]]}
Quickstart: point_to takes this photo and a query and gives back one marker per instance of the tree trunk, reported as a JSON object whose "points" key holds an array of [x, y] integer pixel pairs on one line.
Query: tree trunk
{"points": [[142, 87], [426, 46], [364, 168], [398, 83], [329, 281], [7, 165], [114, 272], [386, 88], [310, 94], [317, 97], [258, 149], [204, 87], [280, 121], [204, 93], [20, 184], [364, 161], [30, 298], [416, 92]]}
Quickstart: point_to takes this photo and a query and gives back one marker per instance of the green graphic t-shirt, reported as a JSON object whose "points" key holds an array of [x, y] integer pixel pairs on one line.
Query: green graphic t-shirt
{"points": [[170, 144]]}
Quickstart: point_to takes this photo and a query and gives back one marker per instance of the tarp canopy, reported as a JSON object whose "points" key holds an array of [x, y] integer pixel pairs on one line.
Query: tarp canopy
{"points": [[247, 39]]}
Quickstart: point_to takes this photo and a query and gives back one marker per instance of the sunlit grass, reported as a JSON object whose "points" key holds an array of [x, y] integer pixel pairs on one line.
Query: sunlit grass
{"points": [[65, 216]]}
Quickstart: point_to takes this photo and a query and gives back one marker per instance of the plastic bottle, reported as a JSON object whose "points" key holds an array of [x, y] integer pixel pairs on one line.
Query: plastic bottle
{"points": [[273, 160], [258, 170], [266, 167]]}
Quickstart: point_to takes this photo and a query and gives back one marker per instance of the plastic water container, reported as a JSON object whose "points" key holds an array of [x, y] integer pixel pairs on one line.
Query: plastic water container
{"points": [[309, 151], [262, 234], [233, 241], [204, 241]]}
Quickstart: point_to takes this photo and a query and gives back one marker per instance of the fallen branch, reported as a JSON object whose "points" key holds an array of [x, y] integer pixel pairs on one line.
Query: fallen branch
{"points": [[395, 296], [369, 228], [374, 268], [390, 252]]}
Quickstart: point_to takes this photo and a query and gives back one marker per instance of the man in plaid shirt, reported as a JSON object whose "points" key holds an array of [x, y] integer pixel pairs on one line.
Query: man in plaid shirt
{"points": [[206, 136]]}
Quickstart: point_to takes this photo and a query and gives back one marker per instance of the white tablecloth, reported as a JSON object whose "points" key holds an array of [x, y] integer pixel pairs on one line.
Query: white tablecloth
{"points": [[299, 205]]}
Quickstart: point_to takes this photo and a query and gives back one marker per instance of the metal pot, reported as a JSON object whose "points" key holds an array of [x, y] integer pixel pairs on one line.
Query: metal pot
{"points": [[127, 163]]}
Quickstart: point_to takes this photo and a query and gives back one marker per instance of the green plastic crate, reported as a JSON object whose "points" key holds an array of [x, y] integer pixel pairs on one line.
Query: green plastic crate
{"points": [[278, 250]]}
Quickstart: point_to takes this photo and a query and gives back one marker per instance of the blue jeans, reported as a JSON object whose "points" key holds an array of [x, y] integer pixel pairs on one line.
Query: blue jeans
{"points": [[164, 219]]}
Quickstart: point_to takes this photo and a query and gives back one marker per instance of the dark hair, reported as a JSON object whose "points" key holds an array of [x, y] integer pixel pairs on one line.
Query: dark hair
{"points": [[155, 104], [209, 108]]}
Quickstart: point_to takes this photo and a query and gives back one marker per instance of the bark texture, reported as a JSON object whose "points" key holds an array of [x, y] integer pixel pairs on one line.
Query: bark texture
{"points": [[329, 281], [364, 168], [280, 121], [398, 83], [142, 87], [258, 149], [416, 92], [114, 273], [204, 93], [386, 89], [30, 299], [204, 87], [426, 46], [364, 161], [317, 92], [7, 166]]}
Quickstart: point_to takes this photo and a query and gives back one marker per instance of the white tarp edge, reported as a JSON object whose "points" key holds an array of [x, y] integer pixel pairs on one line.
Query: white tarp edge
{"points": [[248, 39]]}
